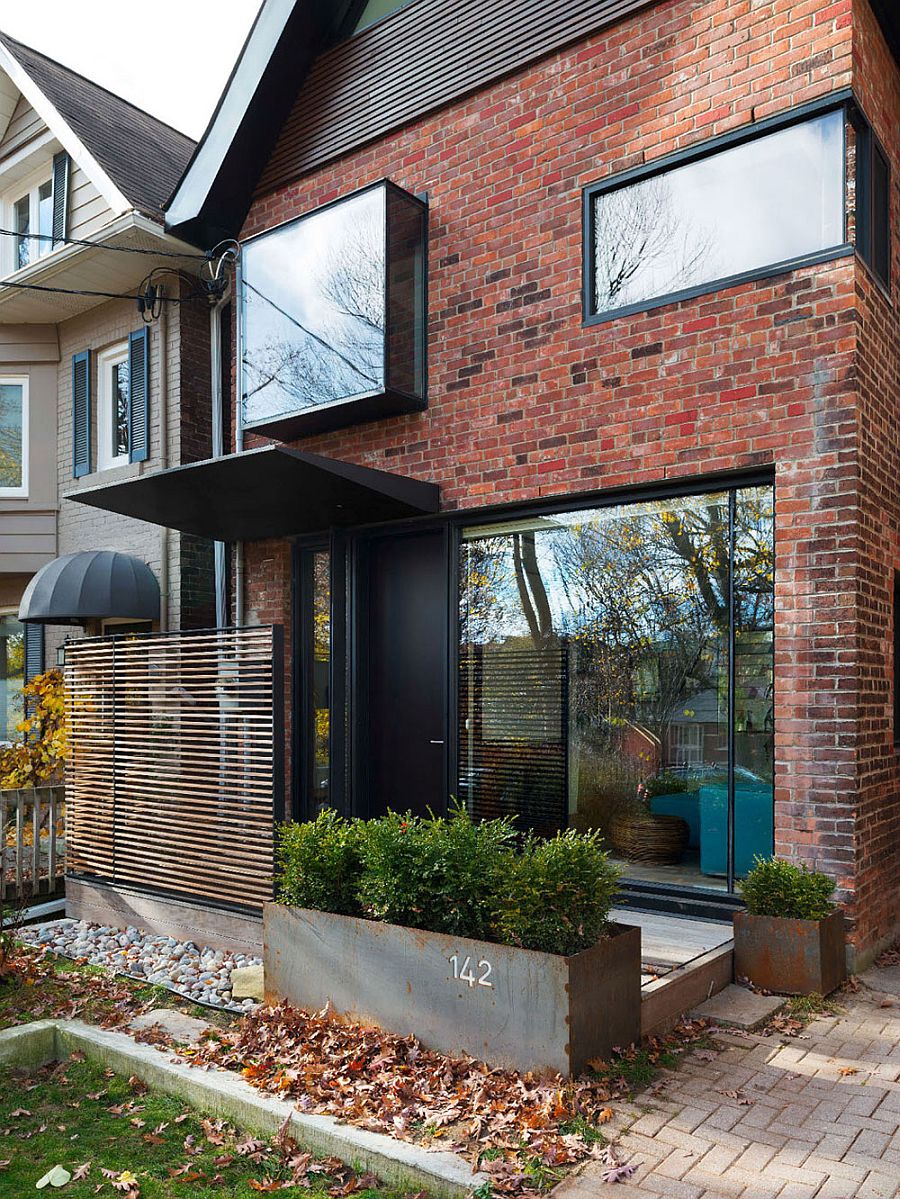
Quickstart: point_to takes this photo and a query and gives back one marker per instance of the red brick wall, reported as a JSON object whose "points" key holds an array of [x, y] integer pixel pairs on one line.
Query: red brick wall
{"points": [[877, 824], [524, 402]]}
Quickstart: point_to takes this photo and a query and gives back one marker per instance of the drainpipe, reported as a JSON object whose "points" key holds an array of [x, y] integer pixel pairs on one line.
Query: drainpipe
{"points": [[239, 618], [218, 447], [163, 401]]}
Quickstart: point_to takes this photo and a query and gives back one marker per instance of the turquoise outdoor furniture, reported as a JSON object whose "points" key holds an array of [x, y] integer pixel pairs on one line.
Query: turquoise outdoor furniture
{"points": [[680, 803], [753, 826]]}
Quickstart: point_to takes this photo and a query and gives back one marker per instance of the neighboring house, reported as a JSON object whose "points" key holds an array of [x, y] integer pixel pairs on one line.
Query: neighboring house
{"points": [[578, 323], [91, 388]]}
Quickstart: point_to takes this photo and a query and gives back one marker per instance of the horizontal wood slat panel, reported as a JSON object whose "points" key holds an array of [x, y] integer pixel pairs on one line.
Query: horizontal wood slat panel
{"points": [[174, 774], [426, 54]]}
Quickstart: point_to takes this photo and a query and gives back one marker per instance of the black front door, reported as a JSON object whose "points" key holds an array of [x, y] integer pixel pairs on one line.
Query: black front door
{"points": [[404, 708]]}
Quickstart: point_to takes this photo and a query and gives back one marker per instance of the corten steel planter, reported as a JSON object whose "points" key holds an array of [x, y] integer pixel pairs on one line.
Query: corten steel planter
{"points": [[790, 957], [509, 1007]]}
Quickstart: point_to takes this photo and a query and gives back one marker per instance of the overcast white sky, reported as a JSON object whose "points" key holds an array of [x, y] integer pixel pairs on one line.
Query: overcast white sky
{"points": [[171, 57]]}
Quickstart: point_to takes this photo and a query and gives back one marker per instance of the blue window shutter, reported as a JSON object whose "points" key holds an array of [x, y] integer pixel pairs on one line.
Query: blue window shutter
{"points": [[138, 396], [34, 650], [81, 413], [60, 197]]}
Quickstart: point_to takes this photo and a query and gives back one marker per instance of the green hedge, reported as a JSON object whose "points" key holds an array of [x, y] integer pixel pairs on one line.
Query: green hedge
{"points": [[775, 887], [453, 875]]}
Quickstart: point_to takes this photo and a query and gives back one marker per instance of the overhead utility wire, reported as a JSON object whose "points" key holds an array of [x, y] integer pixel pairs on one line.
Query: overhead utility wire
{"points": [[105, 295], [97, 245]]}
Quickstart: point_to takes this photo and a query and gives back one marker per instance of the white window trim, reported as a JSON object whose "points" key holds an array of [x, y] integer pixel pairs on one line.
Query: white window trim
{"points": [[20, 492], [29, 185], [106, 359]]}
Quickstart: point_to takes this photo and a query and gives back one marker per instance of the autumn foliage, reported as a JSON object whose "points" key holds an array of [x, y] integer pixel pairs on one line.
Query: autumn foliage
{"points": [[38, 758]]}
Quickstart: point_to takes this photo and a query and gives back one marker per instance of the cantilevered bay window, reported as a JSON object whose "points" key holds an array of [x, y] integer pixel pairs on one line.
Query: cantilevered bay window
{"points": [[333, 315]]}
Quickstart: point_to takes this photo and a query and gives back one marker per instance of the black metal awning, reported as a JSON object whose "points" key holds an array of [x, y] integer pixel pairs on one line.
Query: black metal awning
{"points": [[91, 585], [273, 491]]}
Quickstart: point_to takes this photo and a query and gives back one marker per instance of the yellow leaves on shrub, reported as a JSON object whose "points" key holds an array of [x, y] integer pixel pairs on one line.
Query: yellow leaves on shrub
{"points": [[39, 757]]}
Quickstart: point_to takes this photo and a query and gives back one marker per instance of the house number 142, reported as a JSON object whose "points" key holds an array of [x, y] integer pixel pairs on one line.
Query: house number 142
{"points": [[466, 974]]}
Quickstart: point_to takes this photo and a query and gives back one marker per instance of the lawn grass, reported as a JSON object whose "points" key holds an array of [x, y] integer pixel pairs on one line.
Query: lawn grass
{"points": [[75, 1112]]}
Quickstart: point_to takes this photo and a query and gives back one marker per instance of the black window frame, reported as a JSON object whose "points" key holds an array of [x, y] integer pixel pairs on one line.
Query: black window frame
{"points": [[895, 681], [838, 100], [388, 401], [868, 149]]}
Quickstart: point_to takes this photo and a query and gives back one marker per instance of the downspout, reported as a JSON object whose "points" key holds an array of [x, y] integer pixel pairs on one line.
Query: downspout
{"points": [[163, 460], [239, 617], [218, 448]]}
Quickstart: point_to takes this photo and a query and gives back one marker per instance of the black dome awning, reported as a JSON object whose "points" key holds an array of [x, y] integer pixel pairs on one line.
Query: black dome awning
{"points": [[91, 585]]}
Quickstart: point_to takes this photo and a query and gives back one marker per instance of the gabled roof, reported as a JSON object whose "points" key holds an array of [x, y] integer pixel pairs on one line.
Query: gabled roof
{"points": [[213, 197], [134, 159]]}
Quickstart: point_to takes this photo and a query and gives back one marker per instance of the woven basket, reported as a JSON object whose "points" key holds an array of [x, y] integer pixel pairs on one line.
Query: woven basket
{"points": [[645, 837]]}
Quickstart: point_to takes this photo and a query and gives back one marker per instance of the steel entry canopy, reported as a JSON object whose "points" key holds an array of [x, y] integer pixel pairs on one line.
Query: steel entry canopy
{"points": [[273, 491]]}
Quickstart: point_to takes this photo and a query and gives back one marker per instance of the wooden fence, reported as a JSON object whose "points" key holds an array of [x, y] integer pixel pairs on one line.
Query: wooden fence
{"points": [[32, 843], [175, 779]]}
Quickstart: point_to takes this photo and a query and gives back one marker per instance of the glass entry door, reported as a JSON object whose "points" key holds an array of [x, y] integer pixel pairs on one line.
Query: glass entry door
{"points": [[616, 673]]}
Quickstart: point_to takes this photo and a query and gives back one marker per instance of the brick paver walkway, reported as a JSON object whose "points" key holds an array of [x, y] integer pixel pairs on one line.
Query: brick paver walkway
{"points": [[817, 1115]]}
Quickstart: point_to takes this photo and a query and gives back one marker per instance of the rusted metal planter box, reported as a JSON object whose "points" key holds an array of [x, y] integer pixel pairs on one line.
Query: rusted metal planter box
{"points": [[791, 957], [509, 1007]]}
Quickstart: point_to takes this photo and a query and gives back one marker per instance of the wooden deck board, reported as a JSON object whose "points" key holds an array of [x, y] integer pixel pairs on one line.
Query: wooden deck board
{"points": [[673, 940]]}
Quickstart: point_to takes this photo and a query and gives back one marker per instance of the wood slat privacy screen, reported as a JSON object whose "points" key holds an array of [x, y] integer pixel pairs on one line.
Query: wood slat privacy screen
{"points": [[175, 778]]}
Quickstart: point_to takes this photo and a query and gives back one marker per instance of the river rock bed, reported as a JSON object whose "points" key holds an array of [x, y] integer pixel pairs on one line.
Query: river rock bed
{"points": [[198, 972]]}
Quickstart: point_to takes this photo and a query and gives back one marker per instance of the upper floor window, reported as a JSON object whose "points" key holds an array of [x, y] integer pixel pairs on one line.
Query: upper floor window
{"points": [[333, 315], [13, 437], [33, 213], [112, 407], [873, 201], [716, 215], [34, 208], [374, 10]]}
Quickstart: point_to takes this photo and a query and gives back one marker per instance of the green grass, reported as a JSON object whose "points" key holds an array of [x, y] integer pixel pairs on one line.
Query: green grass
{"points": [[807, 1007], [75, 1112]]}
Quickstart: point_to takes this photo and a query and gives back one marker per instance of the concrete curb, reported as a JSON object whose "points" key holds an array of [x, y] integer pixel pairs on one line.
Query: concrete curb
{"points": [[221, 1093]]}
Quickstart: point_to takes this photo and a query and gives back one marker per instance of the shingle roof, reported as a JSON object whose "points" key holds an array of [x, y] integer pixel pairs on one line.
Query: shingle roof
{"points": [[143, 156]]}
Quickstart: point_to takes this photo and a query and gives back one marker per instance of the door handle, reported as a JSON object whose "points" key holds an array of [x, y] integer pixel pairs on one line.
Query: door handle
{"points": [[435, 743]]}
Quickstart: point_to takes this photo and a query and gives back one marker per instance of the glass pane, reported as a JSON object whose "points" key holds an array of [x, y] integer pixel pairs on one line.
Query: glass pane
{"points": [[120, 409], [375, 10], [314, 300], [45, 217], [754, 701], [593, 685], [321, 679], [11, 474], [406, 295], [23, 227], [767, 201], [12, 676]]}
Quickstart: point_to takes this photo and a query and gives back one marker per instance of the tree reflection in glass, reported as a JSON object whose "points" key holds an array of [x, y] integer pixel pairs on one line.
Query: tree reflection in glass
{"points": [[766, 201], [314, 309], [594, 664]]}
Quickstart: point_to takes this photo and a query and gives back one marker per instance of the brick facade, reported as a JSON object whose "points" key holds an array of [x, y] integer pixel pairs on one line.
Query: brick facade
{"points": [[797, 372]]}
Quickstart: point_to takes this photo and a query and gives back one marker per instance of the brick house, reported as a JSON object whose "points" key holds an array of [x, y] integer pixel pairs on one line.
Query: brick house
{"points": [[91, 387], [565, 444]]}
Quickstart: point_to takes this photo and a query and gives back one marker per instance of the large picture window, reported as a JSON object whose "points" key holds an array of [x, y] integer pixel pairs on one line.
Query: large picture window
{"points": [[13, 437], [333, 315], [616, 667], [771, 200]]}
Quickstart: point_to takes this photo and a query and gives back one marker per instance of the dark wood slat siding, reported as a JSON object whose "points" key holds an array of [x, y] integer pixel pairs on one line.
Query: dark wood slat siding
{"points": [[422, 56]]}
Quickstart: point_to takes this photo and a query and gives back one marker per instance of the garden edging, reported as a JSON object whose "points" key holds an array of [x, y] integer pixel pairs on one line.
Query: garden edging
{"points": [[398, 1163]]}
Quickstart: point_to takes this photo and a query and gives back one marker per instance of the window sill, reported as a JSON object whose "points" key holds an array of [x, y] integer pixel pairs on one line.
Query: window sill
{"points": [[691, 293], [110, 474]]}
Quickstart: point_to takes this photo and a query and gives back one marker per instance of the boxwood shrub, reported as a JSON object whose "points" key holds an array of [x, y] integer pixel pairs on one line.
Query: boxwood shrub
{"points": [[453, 875], [775, 887]]}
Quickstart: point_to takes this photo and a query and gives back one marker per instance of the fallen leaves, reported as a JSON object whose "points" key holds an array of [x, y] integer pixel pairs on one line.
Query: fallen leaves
{"points": [[846, 1071]]}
